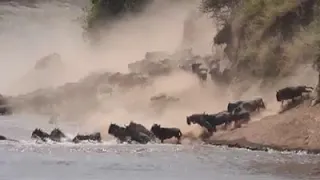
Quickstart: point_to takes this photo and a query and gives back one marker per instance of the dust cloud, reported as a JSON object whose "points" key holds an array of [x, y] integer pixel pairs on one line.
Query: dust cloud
{"points": [[55, 27]]}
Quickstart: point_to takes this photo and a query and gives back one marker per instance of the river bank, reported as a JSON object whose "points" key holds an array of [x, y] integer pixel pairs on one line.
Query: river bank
{"points": [[296, 129]]}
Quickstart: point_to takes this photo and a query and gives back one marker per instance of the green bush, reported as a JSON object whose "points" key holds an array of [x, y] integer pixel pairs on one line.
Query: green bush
{"points": [[101, 12]]}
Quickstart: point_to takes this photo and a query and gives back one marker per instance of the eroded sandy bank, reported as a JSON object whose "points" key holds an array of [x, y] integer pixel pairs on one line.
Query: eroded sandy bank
{"points": [[294, 130]]}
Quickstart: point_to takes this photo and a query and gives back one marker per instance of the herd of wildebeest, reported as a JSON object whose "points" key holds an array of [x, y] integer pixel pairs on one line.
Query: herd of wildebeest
{"points": [[236, 113]]}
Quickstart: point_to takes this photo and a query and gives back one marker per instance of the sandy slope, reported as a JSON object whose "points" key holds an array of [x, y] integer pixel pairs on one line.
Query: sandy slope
{"points": [[295, 129]]}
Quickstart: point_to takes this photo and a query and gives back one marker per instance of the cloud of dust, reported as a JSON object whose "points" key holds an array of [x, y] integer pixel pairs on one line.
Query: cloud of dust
{"points": [[136, 106], [52, 28]]}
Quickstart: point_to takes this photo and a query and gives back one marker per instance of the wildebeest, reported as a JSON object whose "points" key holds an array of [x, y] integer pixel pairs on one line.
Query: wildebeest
{"points": [[132, 132], [226, 118], [39, 133], [250, 106], [200, 72], [3, 137], [56, 135], [165, 133], [200, 119], [93, 137], [140, 128], [291, 93], [211, 121], [139, 133], [118, 132]]}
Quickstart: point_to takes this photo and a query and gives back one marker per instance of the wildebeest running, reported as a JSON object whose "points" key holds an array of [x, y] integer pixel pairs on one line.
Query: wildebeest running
{"points": [[132, 132], [165, 133], [211, 121], [250, 106], [93, 137], [292, 92]]}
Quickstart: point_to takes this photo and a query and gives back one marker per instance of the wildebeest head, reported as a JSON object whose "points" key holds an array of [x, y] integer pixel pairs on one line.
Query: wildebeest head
{"points": [[232, 106], [113, 128], [261, 103], [155, 128], [195, 118], [188, 120]]}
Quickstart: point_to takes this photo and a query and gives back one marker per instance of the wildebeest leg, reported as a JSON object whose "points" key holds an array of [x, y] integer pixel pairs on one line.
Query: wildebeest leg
{"points": [[214, 129], [210, 133], [225, 126], [237, 124], [178, 138], [161, 140]]}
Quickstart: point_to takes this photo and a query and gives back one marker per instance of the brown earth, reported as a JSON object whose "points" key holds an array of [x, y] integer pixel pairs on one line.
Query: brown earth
{"points": [[296, 129]]}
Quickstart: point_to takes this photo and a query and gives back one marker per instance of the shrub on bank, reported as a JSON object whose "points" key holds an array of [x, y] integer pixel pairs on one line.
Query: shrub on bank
{"points": [[100, 12], [267, 38]]}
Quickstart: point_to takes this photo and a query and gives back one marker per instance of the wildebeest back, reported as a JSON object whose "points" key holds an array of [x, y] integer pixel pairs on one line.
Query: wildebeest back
{"points": [[290, 92], [232, 106]]}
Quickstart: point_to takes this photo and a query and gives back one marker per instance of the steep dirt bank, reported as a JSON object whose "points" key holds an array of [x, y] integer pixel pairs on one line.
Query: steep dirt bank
{"points": [[295, 129], [268, 39]]}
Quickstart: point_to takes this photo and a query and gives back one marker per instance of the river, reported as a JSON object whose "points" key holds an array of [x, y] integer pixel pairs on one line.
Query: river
{"points": [[109, 160]]}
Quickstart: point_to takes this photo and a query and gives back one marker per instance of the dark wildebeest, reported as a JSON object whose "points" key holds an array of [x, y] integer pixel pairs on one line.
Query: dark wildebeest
{"points": [[139, 133], [201, 120], [118, 132], [211, 121], [93, 137], [140, 128], [200, 72], [38, 133], [5, 110], [226, 118], [3, 137], [165, 133], [292, 92], [56, 135], [250, 106], [133, 132]]}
